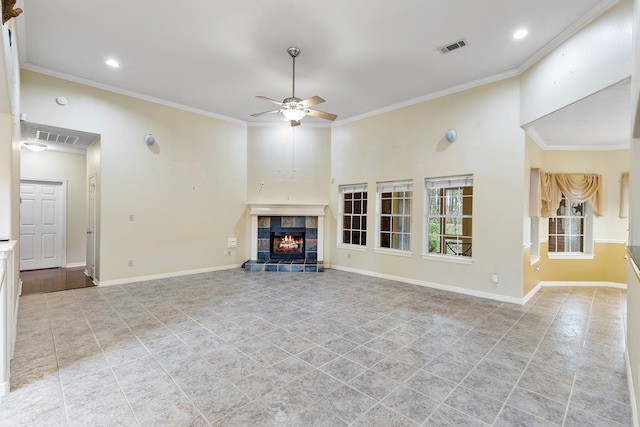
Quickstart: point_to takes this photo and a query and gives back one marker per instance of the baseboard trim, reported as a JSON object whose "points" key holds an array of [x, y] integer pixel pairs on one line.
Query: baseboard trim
{"points": [[4, 389], [440, 286], [583, 284], [163, 275], [75, 264], [632, 393], [475, 293], [531, 293]]}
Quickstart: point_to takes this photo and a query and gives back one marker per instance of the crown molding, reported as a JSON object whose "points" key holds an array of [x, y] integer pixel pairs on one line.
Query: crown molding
{"points": [[132, 94]]}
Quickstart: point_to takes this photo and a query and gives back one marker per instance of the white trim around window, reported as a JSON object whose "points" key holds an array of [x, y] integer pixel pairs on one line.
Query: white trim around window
{"points": [[448, 217], [356, 217], [394, 201]]}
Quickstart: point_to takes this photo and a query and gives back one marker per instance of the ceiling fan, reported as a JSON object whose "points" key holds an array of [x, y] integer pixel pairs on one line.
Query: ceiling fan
{"points": [[292, 108]]}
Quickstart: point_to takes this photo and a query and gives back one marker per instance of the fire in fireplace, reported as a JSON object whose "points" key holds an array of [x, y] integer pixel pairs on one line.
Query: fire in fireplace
{"points": [[287, 244]]}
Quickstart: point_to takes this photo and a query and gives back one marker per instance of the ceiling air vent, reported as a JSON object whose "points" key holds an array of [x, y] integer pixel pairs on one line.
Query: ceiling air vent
{"points": [[452, 46], [55, 137]]}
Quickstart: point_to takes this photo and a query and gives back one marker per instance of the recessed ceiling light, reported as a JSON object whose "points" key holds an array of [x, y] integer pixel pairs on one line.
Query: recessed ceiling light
{"points": [[112, 63], [35, 146], [520, 34]]}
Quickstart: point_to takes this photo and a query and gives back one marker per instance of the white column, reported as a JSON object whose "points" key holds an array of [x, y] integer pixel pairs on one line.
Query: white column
{"points": [[254, 237], [8, 312], [320, 238]]}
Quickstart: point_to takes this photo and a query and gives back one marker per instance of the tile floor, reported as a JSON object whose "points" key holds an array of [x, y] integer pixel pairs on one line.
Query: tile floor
{"points": [[238, 348]]}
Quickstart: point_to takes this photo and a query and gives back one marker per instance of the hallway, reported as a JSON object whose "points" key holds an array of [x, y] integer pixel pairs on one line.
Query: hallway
{"points": [[53, 279]]}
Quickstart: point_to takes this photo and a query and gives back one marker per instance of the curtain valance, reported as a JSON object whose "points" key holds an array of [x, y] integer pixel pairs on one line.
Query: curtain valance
{"points": [[624, 195], [546, 190]]}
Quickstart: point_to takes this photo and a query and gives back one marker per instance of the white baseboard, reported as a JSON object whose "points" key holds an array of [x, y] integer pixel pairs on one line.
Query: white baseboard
{"points": [[585, 284], [74, 264], [475, 293], [440, 286], [163, 275], [4, 389], [531, 293], [632, 393]]}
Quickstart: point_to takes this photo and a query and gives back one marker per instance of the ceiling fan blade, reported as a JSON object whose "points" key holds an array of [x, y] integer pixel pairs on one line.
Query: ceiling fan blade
{"points": [[266, 98], [265, 112], [322, 114], [295, 123], [315, 100]]}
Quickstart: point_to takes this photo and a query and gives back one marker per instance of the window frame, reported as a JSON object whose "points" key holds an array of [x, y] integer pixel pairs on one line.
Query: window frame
{"points": [[441, 184], [587, 234], [403, 219], [353, 189]]}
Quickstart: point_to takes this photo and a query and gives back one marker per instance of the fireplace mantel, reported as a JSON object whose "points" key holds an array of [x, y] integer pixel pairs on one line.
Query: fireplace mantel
{"points": [[286, 210], [257, 210]]}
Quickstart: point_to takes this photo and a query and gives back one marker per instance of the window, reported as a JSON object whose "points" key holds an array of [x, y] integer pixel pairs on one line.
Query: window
{"points": [[567, 228], [394, 214], [353, 205], [449, 215]]}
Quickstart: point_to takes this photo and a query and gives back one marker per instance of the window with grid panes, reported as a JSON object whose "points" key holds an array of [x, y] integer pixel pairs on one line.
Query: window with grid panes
{"points": [[449, 214], [394, 214], [567, 228], [354, 214]]}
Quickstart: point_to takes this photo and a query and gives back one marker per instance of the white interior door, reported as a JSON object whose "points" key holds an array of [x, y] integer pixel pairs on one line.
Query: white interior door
{"points": [[41, 224], [91, 229]]}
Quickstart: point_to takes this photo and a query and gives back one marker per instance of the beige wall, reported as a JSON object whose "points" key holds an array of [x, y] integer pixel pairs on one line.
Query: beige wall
{"points": [[93, 168], [581, 66], [293, 163], [187, 193], [410, 144], [608, 265], [633, 281], [7, 177], [71, 168]]}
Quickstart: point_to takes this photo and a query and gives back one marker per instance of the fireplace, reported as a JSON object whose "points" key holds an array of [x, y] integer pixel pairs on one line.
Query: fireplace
{"points": [[287, 243], [286, 238]]}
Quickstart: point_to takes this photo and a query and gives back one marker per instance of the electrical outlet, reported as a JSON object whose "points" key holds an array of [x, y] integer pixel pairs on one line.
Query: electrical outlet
{"points": [[226, 253], [130, 263], [132, 217], [495, 278]]}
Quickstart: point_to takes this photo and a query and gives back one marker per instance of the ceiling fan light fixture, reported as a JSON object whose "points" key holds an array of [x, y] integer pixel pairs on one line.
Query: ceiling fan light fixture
{"points": [[293, 109], [294, 115]]}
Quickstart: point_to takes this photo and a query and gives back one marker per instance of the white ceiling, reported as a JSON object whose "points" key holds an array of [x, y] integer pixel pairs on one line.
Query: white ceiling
{"points": [[361, 56]]}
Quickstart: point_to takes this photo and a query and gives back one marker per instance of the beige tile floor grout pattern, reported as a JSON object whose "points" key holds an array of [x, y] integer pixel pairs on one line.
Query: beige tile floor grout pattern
{"points": [[236, 348]]}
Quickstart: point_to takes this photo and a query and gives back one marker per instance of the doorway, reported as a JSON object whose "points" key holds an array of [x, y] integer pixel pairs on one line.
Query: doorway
{"points": [[91, 229], [70, 158]]}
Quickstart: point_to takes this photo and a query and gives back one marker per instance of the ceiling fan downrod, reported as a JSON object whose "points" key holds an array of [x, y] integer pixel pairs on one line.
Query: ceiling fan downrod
{"points": [[293, 51]]}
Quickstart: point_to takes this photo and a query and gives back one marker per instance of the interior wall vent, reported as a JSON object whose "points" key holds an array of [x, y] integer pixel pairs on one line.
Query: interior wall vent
{"points": [[452, 46], [55, 137]]}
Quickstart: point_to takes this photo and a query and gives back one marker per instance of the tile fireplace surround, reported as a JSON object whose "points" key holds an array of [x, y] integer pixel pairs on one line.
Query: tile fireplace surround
{"points": [[265, 217]]}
